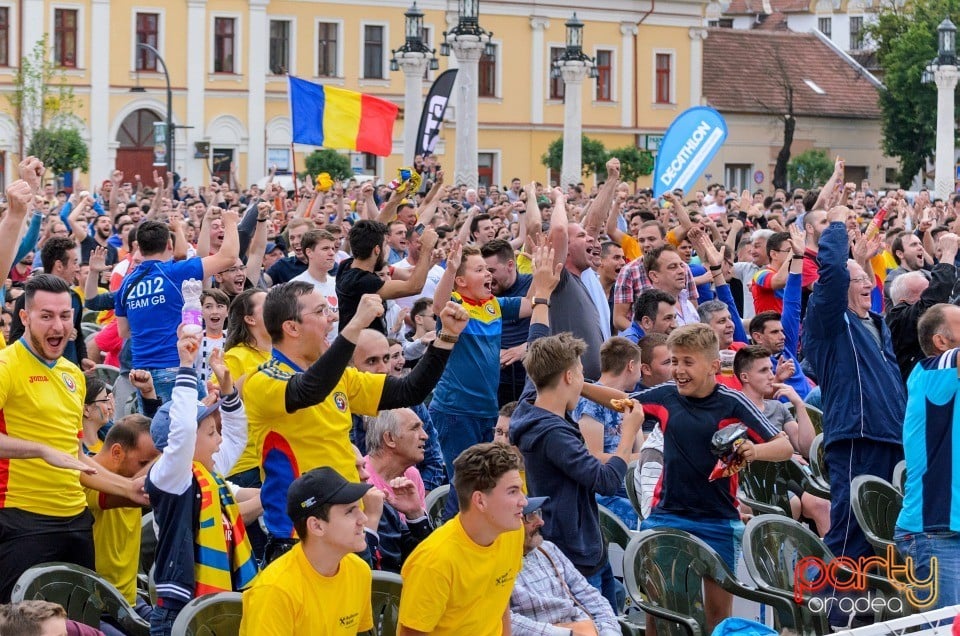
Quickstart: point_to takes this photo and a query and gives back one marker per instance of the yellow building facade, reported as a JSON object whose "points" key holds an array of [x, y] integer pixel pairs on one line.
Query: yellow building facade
{"points": [[226, 60]]}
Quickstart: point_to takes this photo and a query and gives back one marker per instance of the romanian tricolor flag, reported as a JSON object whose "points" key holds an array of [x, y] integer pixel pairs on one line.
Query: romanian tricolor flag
{"points": [[336, 118]]}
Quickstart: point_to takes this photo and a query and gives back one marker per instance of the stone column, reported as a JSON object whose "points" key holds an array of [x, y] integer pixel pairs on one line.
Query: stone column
{"points": [[574, 72], [697, 36], [468, 49], [198, 65], [413, 65], [627, 59], [946, 80], [100, 164], [537, 69], [257, 57]]}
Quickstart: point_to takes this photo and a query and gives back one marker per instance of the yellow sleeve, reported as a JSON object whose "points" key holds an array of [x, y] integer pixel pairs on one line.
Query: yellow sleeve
{"points": [[5, 380], [672, 238], [366, 616], [364, 391], [264, 396], [524, 264], [268, 611], [423, 600], [631, 248], [234, 364]]}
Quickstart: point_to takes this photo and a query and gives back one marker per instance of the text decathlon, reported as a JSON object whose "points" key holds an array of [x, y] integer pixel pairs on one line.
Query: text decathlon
{"points": [[685, 153]]}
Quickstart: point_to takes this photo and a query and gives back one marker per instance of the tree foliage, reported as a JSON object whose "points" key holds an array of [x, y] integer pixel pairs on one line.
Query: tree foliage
{"points": [[634, 163], [61, 150], [809, 169], [41, 98], [593, 155], [906, 43], [336, 164]]}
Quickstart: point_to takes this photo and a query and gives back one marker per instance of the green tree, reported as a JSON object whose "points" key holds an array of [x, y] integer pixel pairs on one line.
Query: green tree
{"points": [[41, 96], [336, 164], [809, 169], [634, 163], [906, 42], [60, 149], [593, 155]]}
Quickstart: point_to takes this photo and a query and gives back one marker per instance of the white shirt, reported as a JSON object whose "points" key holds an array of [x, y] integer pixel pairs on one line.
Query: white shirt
{"points": [[591, 280]]}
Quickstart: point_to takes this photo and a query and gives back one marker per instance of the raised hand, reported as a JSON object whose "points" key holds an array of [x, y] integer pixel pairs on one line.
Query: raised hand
{"points": [[31, 170], [98, 259], [798, 238], [613, 168], [19, 198], [546, 273], [454, 318]]}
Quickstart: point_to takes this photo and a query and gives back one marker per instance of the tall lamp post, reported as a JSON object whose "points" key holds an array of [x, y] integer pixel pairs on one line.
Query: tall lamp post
{"points": [[414, 57], [468, 41], [140, 89], [573, 66], [943, 71]]}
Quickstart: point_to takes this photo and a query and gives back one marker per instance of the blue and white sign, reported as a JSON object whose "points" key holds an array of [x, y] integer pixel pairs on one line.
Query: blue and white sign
{"points": [[690, 143]]}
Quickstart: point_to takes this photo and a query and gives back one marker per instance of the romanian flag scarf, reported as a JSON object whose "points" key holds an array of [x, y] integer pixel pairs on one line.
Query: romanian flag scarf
{"points": [[223, 558]]}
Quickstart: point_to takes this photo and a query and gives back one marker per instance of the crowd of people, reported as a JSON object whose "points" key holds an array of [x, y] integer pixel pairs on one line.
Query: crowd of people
{"points": [[364, 345]]}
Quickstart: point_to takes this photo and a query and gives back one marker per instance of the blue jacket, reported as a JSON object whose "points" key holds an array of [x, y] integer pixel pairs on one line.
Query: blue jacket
{"points": [[790, 319], [634, 333], [863, 395]]}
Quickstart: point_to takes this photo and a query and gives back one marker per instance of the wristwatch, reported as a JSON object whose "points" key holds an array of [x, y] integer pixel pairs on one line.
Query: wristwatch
{"points": [[541, 301], [443, 336]]}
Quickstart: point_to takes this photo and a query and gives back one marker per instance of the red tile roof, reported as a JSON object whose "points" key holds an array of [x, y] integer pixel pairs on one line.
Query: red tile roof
{"points": [[750, 7], [740, 71]]}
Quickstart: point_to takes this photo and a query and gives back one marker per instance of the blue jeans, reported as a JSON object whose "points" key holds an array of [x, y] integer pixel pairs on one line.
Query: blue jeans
{"points": [[621, 507], [609, 587], [161, 622], [163, 381], [457, 433], [921, 547]]}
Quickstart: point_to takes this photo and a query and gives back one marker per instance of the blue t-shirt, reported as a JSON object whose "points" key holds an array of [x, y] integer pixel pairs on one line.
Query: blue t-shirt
{"points": [[150, 299], [611, 426], [704, 291], [469, 383]]}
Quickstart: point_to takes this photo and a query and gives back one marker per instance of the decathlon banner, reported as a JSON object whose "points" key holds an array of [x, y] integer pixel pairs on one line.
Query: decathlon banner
{"points": [[689, 145]]}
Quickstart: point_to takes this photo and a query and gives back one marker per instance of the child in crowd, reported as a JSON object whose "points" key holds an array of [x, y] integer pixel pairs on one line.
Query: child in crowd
{"points": [[202, 544], [415, 342], [214, 304]]}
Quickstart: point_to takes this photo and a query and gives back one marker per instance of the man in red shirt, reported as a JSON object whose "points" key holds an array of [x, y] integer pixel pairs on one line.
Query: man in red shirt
{"points": [[769, 281]]}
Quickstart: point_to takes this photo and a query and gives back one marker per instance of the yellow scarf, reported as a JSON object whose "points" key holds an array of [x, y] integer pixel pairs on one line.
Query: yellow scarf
{"points": [[223, 558]]}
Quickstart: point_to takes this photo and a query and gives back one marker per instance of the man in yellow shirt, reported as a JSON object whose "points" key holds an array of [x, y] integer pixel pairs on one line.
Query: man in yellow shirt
{"points": [[43, 511], [460, 578], [300, 403], [319, 587], [127, 451]]}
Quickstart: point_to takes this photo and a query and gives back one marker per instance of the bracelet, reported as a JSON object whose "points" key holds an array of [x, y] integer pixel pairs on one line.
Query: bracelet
{"points": [[541, 301], [796, 258], [716, 268], [443, 336], [262, 220]]}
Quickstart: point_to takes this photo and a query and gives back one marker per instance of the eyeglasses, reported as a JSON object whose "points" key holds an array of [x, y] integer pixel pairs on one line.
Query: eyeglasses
{"points": [[231, 270], [326, 310], [531, 516]]}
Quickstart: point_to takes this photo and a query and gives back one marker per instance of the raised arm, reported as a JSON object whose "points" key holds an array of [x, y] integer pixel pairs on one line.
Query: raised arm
{"points": [[20, 198], [258, 244], [444, 287], [418, 277], [828, 302], [826, 193], [558, 226], [600, 209], [229, 250]]}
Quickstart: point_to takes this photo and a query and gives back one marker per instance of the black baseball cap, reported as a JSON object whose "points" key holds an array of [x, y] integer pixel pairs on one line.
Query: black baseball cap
{"points": [[318, 487]]}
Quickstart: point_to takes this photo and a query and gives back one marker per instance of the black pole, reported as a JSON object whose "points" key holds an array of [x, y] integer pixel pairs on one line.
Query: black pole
{"points": [[166, 76]]}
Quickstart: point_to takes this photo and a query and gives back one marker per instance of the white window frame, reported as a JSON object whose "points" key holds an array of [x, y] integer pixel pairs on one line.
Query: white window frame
{"points": [[13, 52], [431, 75], [292, 52], [728, 169], [374, 81], [161, 37], [316, 53], [269, 163], [498, 69], [673, 78], [81, 34], [237, 44], [548, 62], [614, 67], [497, 163]]}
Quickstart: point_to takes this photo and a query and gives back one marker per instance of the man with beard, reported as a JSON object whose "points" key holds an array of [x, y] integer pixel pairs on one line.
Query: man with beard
{"points": [[102, 231], [506, 282], [358, 275], [814, 223], [907, 250], [551, 592]]}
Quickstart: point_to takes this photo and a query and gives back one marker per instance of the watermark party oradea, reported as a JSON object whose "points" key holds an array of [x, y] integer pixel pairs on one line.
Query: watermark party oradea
{"points": [[848, 579]]}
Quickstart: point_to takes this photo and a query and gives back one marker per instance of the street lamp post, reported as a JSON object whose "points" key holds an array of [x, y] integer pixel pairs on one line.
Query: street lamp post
{"points": [[468, 41], [573, 66], [170, 136], [943, 71], [414, 57]]}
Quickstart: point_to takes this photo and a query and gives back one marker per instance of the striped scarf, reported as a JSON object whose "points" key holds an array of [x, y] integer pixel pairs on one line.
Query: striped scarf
{"points": [[223, 558]]}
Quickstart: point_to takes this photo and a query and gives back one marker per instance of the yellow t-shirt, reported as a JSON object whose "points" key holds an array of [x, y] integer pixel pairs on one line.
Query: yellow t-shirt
{"points": [[116, 539], [43, 404], [451, 585], [524, 263], [631, 248], [293, 443], [290, 598], [243, 360]]}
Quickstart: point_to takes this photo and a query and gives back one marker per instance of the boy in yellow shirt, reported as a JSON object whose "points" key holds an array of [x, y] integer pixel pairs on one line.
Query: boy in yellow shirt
{"points": [[319, 587], [460, 578]]}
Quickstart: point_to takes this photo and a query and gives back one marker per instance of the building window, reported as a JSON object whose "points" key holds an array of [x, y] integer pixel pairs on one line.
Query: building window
{"points": [[737, 176], [825, 25], [556, 83], [372, 52], [279, 157], [487, 83], [4, 36], [663, 79], [426, 34], [326, 49], [148, 32], [604, 76], [222, 158], [485, 165], [279, 46], [224, 41], [369, 163], [65, 37], [856, 33]]}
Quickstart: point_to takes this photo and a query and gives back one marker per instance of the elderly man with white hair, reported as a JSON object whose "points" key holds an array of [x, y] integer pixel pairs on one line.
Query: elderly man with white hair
{"points": [[395, 443], [911, 294], [864, 399]]}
